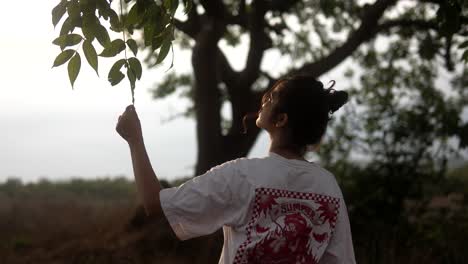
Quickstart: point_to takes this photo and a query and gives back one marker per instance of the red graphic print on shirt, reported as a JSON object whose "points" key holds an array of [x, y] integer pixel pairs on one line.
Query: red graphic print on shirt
{"points": [[288, 227]]}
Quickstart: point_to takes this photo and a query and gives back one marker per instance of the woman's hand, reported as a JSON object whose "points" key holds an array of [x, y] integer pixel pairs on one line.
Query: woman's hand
{"points": [[129, 127]]}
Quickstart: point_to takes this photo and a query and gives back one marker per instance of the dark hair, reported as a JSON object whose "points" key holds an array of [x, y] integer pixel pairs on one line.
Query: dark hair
{"points": [[309, 107]]}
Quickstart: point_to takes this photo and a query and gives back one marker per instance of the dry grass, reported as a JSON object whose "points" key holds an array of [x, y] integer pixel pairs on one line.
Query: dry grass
{"points": [[67, 227], [77, 230]]}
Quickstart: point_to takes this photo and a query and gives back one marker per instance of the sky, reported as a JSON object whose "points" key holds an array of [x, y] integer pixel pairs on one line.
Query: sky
{"points": [[50, 131]]}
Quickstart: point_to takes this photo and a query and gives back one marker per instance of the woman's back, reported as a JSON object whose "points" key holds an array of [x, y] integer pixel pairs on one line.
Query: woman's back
{"points": [[272, 210]]}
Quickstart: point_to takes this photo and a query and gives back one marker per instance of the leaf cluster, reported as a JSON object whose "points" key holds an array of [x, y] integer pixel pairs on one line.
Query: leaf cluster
{"points": [[96, 18]]}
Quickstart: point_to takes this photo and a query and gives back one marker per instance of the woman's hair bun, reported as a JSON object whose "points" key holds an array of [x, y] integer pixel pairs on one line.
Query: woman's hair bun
{"points": [[336, 99]]}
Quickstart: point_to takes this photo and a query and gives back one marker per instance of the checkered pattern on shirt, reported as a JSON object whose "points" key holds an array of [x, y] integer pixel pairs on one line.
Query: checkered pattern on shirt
{"points": [[239, 258]]}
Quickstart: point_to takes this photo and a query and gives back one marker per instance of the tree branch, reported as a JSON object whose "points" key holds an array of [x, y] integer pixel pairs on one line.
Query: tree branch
{"points": [[464, 20], [448, 57], [191, 26], [215, 9], [416, 23], [236, 93], [258, 43], [432, 1], [366, 31], [237, 20], [227, 74], [187, 28], [281, 5]]}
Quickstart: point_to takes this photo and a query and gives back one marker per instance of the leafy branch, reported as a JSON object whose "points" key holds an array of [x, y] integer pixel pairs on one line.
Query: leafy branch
{"points": [[154, 18]]}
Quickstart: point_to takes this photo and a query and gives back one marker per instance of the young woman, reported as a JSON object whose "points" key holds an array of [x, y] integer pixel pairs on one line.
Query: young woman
{"points": [[276, 209]]}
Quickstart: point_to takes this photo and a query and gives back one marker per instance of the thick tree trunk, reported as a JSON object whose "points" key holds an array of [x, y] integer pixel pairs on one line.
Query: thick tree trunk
{"points": [[211, 68], [207, 95]]}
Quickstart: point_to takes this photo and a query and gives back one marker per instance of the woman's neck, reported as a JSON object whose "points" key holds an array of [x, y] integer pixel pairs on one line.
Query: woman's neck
{"points": [[285, 152], [281, 145]]}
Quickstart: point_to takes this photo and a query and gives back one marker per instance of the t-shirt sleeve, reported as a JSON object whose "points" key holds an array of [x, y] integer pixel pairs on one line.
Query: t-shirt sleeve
{"points": [[340, 249], [205, 203]]}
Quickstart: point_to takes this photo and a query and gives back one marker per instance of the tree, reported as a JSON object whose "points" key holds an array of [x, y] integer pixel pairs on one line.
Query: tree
{"points": [[315, 36]]}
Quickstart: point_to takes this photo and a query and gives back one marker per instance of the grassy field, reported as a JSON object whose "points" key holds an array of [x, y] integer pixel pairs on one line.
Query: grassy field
{"points": [[95, 221], [99, 221]]}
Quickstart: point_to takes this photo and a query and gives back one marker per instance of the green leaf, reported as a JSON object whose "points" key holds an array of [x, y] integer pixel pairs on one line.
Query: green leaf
{"points": [[103, 4], [115, 75], [463, 135], [131, 77], [119, 45], [159, 39], [89, 26], [135, 65], [115, 23], [174, 6], [113, 49], [158, 20], [74, 68], [102, 35], [116, 78], [166, 45], [157, 42], [133, 16], [74, 10], [131, 43], [103, 14], [170, 31], [148, 33], [108, 52], [58, 12], [67, 26], [167, 4], [67, 40], [465, 56], [187, 6], [63, 57], [171, 6], [91, 55], [172, 61], [88, 6], [463, 45]]}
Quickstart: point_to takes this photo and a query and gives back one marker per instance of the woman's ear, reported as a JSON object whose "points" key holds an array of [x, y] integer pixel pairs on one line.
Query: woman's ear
{"points": [[282, 120]]}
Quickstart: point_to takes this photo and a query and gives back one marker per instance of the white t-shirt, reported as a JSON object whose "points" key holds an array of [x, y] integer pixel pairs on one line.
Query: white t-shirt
{"points": [[272, 210]]}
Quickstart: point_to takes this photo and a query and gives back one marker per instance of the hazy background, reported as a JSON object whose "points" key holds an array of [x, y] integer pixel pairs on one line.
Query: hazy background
{"points": [[49, 130]]}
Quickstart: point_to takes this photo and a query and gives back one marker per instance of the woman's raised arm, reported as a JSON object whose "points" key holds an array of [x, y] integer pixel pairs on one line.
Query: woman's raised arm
{"points": [[148, 186]]}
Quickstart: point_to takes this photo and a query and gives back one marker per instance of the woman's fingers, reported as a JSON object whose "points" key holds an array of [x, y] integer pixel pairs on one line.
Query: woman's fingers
{"points": [[128, 123], [130, 112], [130, 109]]}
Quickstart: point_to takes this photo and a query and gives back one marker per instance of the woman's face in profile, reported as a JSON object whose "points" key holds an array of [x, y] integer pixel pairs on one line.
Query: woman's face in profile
{"points": [[265, 118]]}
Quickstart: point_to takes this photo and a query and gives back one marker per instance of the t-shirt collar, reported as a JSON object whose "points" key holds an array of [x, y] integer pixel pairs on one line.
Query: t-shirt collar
{"points": [[290, 161]]}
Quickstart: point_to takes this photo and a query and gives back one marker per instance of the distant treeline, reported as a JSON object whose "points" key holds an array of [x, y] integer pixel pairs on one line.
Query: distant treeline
{"points": [[460, 172], [121, 187], [102, 188]]}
